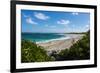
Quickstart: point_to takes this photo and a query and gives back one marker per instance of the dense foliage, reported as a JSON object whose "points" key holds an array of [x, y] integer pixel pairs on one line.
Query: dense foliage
{"points": [[78, 51], [30, 52]]}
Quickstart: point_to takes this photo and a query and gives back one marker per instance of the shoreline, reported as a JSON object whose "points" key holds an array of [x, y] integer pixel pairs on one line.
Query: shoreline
{"points": [[51, 40], [58, 45]]}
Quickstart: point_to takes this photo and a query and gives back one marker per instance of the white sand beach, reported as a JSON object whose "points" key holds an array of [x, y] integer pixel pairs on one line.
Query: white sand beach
{"points": [[58, 45]]}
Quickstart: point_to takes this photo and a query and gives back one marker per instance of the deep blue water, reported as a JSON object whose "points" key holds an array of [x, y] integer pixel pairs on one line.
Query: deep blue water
{"points": [[41, 37]]}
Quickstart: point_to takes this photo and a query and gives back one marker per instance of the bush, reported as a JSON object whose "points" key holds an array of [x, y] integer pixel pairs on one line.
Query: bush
{"points": [[30, 52], [78, 51]]}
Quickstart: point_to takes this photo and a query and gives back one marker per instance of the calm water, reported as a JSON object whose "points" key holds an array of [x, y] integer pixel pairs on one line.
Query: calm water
{"points": [[43, 37]]}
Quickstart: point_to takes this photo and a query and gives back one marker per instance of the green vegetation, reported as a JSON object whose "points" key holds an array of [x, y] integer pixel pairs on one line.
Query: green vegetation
{"points": [[78, 51], [76, 33], [30, 52]]}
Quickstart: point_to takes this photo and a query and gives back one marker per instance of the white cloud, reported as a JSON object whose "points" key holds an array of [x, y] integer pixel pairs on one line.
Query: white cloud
{"points": [[30, 21], [41, 16], [64, 22], [25, 15], [75, 13], [87, 26]]}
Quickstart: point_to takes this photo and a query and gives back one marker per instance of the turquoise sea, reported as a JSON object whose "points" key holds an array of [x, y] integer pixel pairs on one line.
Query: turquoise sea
{"points": [[43, 37]]}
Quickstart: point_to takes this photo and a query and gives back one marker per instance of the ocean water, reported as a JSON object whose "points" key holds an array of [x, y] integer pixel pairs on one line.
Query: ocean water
{"points": [[43, 37]]}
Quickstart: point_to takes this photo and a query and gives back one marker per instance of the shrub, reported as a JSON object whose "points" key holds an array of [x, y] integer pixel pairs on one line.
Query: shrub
{"points": [[30, 52], [79, 50]]}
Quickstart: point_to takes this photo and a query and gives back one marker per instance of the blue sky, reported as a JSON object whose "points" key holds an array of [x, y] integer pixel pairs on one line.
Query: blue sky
{"points": [[54, 22]]}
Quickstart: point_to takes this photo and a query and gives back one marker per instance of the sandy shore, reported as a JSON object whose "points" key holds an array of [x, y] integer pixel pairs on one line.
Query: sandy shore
{"points": [[59, 45]]}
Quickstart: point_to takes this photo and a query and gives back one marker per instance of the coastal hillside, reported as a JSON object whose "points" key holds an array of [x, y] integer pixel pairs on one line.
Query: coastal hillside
{"points": [[31, 52], [78, 51]]}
